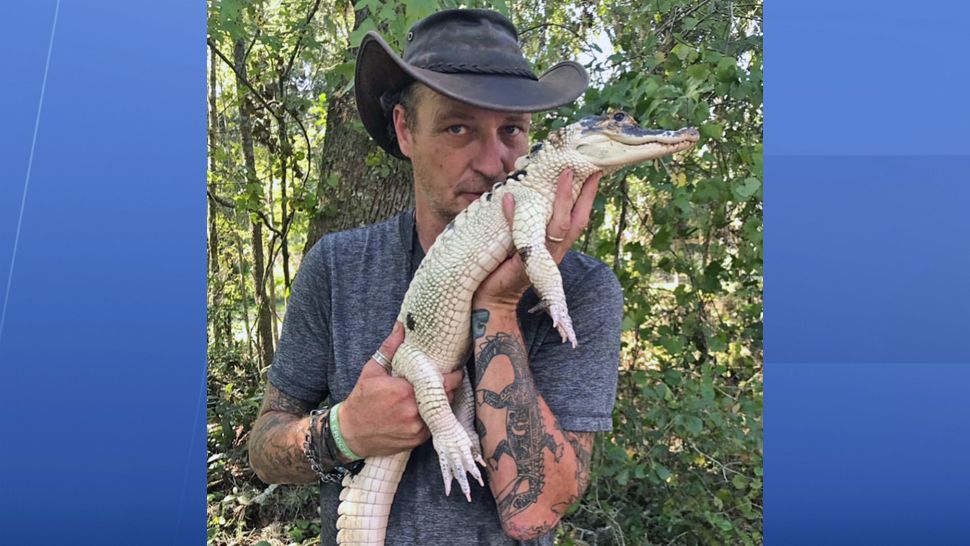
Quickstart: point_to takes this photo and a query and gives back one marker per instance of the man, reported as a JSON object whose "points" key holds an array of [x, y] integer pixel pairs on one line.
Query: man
{"points": [[457, 105]]}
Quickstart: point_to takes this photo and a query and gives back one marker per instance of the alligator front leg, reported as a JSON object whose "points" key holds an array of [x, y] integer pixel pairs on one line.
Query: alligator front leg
{"points": [[452, 443], [529, 237]]}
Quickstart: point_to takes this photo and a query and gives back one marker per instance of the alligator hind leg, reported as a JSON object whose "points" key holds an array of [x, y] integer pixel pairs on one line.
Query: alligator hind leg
{"points": [[452, 443]]}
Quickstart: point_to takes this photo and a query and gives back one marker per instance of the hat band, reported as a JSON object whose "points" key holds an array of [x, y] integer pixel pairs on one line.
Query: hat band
{"points": [[475, 68]]}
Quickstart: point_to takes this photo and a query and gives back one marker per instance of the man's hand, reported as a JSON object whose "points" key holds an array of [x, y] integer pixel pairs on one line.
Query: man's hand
{"points": [[380, 416], [505, 285]]}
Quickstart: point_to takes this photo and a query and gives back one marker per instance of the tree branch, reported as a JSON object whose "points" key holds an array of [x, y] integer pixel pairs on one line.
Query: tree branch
{"points": [[299, 40]]}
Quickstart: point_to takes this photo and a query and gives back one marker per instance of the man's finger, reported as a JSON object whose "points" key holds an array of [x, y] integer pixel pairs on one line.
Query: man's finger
{"points": [[508, 207], [453, 379], [387, 348], [372, 369], [584, 204]]}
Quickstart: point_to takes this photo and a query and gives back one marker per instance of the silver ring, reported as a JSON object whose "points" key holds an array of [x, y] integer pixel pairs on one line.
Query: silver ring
{"points": [[382, 360], [555, 239]]}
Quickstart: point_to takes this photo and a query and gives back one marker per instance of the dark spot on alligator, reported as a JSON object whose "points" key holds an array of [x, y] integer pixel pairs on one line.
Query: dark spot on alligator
{"points": [[409, 321], [488, 196], [518, 174], [536, 148], [525, 252]]}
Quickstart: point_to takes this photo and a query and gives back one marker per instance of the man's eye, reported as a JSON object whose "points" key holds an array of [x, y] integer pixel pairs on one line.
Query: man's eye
{"points": [[512, 130], [456, 129]]}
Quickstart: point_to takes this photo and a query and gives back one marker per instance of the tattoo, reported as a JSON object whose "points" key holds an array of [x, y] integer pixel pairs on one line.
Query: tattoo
{"points": [[274, 400], [526, 436], [274, 450], [582, 444], [479, 318], [528, 530]]}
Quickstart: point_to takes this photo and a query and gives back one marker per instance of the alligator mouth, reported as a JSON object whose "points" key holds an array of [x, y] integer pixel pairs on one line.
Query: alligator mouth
{"points": [[636, 136], [633, 144]]}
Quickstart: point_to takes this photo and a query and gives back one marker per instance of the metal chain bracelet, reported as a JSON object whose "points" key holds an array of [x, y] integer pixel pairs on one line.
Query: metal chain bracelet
{"points": [[310, 446], [315, 446]]}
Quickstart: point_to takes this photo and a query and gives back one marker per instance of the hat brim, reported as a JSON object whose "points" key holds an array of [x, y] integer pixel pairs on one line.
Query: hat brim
{"points": [[379, 70]]}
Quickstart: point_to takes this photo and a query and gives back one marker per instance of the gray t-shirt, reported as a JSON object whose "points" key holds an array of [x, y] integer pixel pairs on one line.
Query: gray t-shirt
{"points": [[344, 302]]}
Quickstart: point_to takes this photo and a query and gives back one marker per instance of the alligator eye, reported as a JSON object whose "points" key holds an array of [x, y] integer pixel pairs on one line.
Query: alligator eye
{"points": [[619, 116]]}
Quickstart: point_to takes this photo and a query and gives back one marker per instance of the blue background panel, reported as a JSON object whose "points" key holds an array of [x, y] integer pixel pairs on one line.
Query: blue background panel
{"points": [[866, 77], [867, 259], [102, 356], [102, 353]]}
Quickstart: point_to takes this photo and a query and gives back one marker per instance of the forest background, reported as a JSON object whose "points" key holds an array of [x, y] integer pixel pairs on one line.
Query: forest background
{"points": [[289, 162]]}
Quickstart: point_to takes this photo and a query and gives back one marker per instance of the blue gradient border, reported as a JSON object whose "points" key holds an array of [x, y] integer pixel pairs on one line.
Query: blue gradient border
{"points": [[102, 353], [867, 260]]}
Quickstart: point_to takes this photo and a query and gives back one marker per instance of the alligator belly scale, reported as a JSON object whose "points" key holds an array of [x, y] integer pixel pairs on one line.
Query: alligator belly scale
{"points": [[437, 306]]}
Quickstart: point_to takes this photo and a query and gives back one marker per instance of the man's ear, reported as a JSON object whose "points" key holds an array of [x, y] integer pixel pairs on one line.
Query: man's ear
{"points": [[404, 137]]}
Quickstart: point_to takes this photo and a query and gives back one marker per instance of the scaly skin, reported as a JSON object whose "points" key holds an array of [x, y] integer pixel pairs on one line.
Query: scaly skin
{"points": [[437, 307]]}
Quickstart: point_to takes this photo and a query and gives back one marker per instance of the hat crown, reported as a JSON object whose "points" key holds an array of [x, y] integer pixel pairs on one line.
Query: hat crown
{"points": [[466, 41]]}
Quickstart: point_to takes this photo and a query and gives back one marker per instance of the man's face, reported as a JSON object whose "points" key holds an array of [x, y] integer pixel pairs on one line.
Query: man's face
{"points": [[458, 151]]}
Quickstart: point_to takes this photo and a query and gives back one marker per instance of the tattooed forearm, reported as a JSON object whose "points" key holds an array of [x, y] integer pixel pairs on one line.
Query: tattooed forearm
{"points": [[526, 435], [276, 442], [582, 444], [479, 318]]}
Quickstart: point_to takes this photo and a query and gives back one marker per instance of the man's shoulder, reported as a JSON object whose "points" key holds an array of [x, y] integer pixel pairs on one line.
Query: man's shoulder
{"points": [[351, 241], [584, 271]]}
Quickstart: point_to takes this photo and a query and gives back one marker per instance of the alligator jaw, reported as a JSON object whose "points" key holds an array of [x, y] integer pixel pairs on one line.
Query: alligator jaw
{"points": [[609, 149]]}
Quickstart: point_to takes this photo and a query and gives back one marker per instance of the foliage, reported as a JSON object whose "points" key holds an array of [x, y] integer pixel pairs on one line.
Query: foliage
{"points": [[683, 464]]}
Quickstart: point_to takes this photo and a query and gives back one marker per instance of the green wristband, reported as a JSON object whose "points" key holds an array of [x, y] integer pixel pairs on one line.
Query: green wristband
{"points": [[338, 438]]}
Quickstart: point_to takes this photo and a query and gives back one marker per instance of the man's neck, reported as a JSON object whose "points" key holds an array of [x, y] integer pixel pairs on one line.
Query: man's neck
{"points": [[429, 226]]}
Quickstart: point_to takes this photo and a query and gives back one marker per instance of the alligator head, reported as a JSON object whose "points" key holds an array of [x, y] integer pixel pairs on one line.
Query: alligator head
{"points": [[610, 142]]}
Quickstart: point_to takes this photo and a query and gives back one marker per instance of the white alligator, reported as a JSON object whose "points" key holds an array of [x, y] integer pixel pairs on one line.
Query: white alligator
{"points": [[437, 307]]}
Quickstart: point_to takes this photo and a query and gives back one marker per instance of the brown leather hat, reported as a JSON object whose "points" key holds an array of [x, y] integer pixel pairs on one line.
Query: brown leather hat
{"points": [[470, 55]]}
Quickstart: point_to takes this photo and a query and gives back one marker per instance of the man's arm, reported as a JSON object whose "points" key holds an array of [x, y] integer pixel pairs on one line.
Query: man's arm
{"points": [[276, 442], [536, 469], [379, 417]]}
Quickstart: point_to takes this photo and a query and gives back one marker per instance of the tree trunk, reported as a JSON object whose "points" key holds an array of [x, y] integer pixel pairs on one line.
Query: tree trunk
{"points": [[361, 195], [244, 298], [263, 319], [286, 152], [213, 257]]}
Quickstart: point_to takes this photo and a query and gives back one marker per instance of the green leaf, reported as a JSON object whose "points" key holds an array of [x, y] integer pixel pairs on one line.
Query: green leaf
{"points": [[684, 53], [628, 324], [739, 481], [698, 71], [661, 240], [747, 188], [712, 130], [623, 477], [358, 35], [694, 424], [616, 453]]}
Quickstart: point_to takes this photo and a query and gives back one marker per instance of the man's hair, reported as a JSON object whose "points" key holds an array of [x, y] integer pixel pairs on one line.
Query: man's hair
{"points": [[407, 97]]}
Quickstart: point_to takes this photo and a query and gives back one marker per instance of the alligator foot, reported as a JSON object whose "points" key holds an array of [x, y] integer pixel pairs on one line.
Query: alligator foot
{"points": [[456, 458], [560, 319]]}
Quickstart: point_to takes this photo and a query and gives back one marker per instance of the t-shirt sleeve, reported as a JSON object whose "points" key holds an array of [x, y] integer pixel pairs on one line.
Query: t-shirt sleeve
{"points": [[304, 354], [579, 385]]}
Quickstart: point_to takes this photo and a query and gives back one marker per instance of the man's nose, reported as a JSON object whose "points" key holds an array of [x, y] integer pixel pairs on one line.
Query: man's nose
{"points": [[494, 159]]}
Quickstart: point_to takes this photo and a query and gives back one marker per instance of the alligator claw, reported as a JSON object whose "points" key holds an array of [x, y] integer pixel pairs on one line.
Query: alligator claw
{"points": [[542, 306], [560, 320], [456, 459]]}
